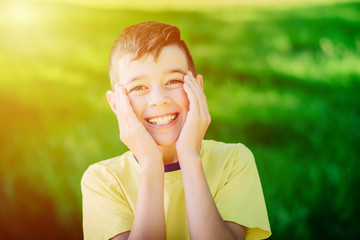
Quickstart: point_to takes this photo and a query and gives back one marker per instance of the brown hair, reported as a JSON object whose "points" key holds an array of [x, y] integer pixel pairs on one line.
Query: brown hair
{"points": [[144, 39]]}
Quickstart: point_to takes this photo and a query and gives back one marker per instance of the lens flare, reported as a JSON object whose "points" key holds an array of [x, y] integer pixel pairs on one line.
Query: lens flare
{"points": [[19, 13]]}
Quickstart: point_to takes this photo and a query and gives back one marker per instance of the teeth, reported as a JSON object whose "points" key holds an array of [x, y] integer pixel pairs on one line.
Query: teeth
{"points": [[162, 120]]}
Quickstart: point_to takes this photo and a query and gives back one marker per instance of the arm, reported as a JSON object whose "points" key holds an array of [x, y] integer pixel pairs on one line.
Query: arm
{"points": [[149, 220], [204, 219]]}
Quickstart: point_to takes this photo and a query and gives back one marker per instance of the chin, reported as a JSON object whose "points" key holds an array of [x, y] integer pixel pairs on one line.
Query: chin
{"points": [[165, 141]]}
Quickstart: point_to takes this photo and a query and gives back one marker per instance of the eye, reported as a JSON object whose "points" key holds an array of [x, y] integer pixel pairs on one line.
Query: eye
{"points": [[138, 88], [174, 81]]}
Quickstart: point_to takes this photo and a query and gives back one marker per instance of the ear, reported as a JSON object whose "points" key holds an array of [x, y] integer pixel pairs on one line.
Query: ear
{"points": [[199, 79], [111, 100]]}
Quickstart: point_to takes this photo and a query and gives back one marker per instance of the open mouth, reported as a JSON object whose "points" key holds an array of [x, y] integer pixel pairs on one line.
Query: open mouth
{"points": [[163, 120]]}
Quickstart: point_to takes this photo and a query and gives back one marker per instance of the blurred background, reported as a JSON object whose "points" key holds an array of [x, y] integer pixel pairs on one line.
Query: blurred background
{"points": [[281, 77]]}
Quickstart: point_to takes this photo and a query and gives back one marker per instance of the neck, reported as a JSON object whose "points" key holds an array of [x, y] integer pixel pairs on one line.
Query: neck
{"points": [[169, 153]]}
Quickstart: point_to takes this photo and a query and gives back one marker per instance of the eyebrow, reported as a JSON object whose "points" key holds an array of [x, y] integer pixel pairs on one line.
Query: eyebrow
{"points": [[135, 78], [176, 70], [170, 71]]}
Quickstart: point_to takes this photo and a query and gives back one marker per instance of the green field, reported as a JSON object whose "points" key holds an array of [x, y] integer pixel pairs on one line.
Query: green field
{"points": [[283, 81]]}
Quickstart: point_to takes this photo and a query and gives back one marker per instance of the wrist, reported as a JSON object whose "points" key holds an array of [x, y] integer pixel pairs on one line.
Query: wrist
{"points": [[152, 173], [186, 153], [188, 149], [189, 159], [151, 163]]}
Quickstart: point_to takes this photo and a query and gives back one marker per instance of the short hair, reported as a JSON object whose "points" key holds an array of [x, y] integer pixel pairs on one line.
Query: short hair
{"points": [[144, 39]]}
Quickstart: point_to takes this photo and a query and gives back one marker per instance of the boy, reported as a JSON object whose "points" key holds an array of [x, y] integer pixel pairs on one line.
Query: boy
{"points": [[172, 184]]}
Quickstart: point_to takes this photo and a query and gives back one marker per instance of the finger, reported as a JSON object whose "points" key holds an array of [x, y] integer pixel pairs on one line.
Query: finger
{"points": [[204, 114], [197, 90], [205, 107], [128, 111], [123, 125], [117, 100], [124, 113], [194, 104], [198, 79], [196, 84], [122, 109], [110, 95]]}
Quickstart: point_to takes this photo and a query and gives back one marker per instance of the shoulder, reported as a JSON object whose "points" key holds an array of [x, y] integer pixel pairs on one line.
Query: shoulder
{"points": [[108, 170], [239, 151], [223, 160]]}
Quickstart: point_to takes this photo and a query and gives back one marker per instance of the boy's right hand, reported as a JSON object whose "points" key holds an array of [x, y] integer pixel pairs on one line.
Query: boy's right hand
{"points": [[132, 133]]}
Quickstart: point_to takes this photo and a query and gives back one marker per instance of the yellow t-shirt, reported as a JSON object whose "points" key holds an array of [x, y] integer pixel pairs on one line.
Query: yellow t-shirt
{"points": [[110, 189]]}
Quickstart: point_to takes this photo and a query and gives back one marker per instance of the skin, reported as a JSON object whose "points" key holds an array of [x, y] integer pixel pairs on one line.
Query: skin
{"points": [[148, 89]]}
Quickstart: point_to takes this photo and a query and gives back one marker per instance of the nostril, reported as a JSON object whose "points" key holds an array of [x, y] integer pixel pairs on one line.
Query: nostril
{"points": [[159, 101]]}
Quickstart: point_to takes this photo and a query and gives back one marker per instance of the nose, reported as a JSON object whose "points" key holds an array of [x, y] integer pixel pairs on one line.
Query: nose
{"points": [[158, 97]]}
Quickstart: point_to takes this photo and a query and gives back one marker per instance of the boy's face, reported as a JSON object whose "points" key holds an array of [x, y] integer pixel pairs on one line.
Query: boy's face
{"points": [[156, 93]]}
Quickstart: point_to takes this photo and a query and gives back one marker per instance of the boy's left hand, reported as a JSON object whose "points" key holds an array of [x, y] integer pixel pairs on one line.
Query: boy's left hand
{"points": [[197, 121]]}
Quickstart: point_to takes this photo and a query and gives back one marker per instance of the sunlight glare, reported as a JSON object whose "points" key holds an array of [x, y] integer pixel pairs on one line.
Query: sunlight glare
{"points": [[21, 14]]}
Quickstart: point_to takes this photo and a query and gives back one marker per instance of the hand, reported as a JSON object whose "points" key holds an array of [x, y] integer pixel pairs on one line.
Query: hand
{"points": [[197, 121], [132, 133]]}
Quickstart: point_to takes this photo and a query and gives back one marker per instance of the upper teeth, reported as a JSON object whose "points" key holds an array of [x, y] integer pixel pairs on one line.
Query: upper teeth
{"points": [[162, 120]]}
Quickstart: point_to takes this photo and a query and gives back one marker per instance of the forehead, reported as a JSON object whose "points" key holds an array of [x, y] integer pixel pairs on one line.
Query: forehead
{"points": [[170, 58]]}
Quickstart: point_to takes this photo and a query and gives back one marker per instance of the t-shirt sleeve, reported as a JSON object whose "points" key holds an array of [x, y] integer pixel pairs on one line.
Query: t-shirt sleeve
{"points": [[241, 199], [106, 212]]}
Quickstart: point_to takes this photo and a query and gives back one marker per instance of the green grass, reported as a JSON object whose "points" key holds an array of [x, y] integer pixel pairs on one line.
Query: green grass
{"points": [[285, 82]]}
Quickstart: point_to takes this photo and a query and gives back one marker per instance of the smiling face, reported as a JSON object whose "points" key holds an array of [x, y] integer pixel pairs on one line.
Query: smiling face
{"points": [[156, 94]]}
